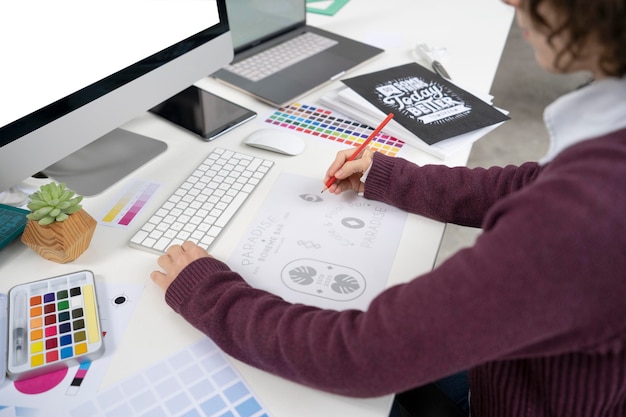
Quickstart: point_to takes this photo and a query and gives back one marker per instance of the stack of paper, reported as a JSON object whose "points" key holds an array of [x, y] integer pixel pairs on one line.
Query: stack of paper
{"points": [[430, 113]]}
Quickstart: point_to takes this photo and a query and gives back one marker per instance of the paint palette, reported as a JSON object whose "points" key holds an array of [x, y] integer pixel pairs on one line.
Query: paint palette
{"points": [[53, 323]]}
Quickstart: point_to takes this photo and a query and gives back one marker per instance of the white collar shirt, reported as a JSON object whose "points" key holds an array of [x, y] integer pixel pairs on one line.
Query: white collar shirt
{"points": [[586, 113]]}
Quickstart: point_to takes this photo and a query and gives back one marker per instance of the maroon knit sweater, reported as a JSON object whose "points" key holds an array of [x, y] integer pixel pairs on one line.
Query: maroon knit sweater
{"points": [[536, 309]]}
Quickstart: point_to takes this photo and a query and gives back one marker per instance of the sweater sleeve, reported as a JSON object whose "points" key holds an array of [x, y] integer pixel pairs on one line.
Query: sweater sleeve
{"points": [[536, 283], [453, 195]]}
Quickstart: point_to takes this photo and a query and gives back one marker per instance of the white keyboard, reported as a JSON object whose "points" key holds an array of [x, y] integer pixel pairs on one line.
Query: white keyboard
{"points": [[204, 203], [281, 56]]}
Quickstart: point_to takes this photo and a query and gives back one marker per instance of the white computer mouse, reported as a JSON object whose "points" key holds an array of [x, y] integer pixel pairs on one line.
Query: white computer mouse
{"points": [[276, 140]]}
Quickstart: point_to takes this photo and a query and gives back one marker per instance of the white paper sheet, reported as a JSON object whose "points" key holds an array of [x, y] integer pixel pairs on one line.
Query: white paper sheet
{"points": [[319, 249]]}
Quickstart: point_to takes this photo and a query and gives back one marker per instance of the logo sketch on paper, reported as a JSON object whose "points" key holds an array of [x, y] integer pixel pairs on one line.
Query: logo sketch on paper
{"points": [[352, 223], [302, 275], [345, 284], [308, 244], [312, 198], [323, 279]]}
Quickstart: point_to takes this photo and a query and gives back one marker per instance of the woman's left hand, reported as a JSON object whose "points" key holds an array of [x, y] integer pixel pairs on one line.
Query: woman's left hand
{"points": [[175, 259]]}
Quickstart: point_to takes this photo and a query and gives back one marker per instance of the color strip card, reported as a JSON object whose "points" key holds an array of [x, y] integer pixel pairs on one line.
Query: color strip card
{"points": [[129, 203], [330, 125], [197, 381]]}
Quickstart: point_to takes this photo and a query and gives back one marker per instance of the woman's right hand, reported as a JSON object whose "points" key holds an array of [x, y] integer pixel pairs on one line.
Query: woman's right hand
{"points": [[348, 173]]}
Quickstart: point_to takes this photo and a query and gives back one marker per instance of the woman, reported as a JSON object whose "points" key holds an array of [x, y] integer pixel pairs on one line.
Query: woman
{"points": [[534, 310]]}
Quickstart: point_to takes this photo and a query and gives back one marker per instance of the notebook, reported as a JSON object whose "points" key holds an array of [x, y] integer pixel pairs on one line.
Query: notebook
{"points": [[258, 27]]}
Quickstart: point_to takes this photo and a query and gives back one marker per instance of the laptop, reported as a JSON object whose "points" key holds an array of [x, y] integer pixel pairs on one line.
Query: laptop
{"points": [[263, 28]]}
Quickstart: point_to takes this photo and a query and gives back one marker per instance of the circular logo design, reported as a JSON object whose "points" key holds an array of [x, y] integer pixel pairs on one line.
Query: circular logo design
{"points": [[353, 223], [323, 279]]}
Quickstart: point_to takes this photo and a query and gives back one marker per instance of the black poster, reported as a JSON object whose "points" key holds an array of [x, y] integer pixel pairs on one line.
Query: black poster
{"points": [[425, 103]]}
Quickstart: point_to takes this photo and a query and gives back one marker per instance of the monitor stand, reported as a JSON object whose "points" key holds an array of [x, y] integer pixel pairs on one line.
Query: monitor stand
{"points": [[102, 163]]}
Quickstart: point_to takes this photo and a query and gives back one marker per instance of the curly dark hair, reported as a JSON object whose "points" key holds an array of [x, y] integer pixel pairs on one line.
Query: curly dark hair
{"points": [[601, 20]]}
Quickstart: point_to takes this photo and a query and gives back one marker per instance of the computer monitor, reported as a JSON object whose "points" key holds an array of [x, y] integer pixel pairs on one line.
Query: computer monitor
{"points": [[73, 71]]}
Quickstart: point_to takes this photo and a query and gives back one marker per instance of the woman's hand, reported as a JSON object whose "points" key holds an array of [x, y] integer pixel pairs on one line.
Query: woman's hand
{"points": [[348, 173], [176, 258]]}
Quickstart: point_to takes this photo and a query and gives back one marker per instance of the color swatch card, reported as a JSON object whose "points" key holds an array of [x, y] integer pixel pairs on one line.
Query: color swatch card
{"points": [[53, 323], [129, 203], [329, 125], [196, 382]]}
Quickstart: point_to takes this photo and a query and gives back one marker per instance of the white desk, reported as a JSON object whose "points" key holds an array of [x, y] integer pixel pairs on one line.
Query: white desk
{"points": [[473, 32]]}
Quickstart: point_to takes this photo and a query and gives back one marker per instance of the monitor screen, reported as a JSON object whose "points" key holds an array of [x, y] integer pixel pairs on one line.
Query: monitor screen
{"points": [[252, 21], [75, 70]]}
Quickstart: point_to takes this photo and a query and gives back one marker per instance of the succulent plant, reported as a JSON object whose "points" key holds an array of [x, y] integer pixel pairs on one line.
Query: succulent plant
{"points": [[53, 203]]}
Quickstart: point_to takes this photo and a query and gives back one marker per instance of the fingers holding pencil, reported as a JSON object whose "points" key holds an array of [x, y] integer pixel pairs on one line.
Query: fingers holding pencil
{"points": [[344, 159], [348, 172]]}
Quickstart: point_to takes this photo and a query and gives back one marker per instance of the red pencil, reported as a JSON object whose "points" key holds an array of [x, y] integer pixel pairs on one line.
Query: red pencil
{"points": [[362, 147]]}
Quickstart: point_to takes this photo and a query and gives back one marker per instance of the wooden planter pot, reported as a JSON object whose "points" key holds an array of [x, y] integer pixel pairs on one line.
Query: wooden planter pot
{"points": [[61, 242]]}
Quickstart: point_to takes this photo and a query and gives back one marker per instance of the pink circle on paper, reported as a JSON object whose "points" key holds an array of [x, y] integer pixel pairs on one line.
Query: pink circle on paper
{"points": [[42, 383]]}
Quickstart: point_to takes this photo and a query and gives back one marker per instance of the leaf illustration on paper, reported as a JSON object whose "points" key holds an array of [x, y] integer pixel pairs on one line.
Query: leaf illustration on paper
{"points": [[303, 275], [345, 284]]}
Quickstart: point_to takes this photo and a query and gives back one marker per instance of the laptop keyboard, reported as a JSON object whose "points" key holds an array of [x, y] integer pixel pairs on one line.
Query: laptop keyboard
{"points": [[204, 203], [281, 56]]}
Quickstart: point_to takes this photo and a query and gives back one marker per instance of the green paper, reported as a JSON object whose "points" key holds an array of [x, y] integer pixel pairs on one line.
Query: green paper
{"points": [[330, 10]]}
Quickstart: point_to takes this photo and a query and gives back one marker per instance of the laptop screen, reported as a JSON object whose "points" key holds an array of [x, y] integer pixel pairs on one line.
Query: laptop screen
{"points": [[252, 21]]}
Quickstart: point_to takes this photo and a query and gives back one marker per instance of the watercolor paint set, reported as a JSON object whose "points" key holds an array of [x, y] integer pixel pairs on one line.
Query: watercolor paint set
{"points": [[52, 323]]}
